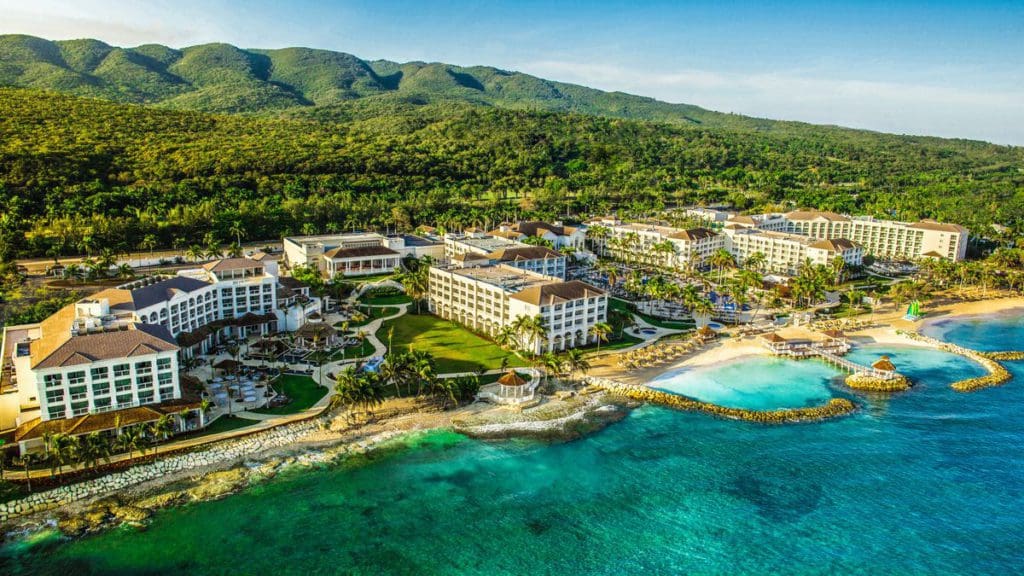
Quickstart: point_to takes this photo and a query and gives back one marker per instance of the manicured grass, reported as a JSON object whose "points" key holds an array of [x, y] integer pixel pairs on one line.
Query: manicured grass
{"points": [[225, 423], [455, 348], [617, 344], [622, 306], [385, 300], [303, 391]]}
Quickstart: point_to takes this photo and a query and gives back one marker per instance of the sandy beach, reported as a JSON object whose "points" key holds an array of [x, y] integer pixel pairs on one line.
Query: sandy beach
{"points": [[887, 325]]}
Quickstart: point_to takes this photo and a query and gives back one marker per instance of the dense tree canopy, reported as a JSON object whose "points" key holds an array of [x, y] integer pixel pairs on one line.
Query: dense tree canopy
{"points": [[76, 170]]}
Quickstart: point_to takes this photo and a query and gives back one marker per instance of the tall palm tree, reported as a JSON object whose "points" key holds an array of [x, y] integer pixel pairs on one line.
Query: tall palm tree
{"points": [[534, 328], [721, 259], [600, 332], [148, 243], [125, 271], [575, 361], [130, 440], [552, 365], [755, 261], [160, 429], [237, 230], [506, 337]]}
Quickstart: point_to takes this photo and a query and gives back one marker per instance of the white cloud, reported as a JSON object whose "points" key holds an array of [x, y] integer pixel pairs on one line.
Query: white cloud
{"points": [[908, 108]]}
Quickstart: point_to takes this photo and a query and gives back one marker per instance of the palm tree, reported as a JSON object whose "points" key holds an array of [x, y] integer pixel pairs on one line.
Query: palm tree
{"points": [[237, 230], [94, 447], [125, 271], [204, 406], [235, 251], [72, 271], [506, 337], [160, 429], [755, 261], [552, 365], [575, 361], [721, 259], [701, 307], [148, 243], [130, 439], [195, 253], [600, 332], [534, 328], [838, 264]]}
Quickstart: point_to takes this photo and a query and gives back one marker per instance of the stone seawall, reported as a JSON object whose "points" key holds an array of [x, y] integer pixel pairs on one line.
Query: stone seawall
{"points": [[997, 374], [216, 454], [834, 408]]}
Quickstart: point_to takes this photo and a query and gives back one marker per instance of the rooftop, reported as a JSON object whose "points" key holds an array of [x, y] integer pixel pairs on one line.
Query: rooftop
{"points": [[132, 340], [359, 252], [555, 292], [505, 277]]}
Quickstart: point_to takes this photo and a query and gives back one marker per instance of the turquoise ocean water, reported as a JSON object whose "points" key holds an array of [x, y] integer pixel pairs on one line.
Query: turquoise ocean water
{"points": [[926, 482]]}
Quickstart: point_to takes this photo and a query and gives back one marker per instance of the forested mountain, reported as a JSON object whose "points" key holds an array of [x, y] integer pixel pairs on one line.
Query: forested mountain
{"points": [[223, 78], [182, 144], [78, 173]]}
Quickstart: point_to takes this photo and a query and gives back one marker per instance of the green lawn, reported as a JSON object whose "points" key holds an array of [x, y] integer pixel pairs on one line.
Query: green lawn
{"points": [[622, 306], [303, 391], [385, 300], [455, 348], [223, 424]]}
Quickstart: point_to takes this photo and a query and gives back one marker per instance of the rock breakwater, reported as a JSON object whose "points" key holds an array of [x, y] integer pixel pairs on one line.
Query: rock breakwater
{"points": [[834, 408]]}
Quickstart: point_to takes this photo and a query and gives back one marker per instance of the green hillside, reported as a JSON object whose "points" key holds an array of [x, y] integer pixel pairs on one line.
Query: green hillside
{"points": [[223, 78], [79, 173]]}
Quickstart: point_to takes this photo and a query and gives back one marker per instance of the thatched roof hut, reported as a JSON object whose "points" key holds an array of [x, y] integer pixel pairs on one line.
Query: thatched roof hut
{"points": [[885, 364]]}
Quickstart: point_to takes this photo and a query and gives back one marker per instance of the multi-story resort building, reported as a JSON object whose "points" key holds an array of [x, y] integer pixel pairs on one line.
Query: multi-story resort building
{"points": [[882, 238], [560, 235], [786, 240], [357, 254], [654, 244], [785, 253], [478, 249], [113, 357], [488, 298]]}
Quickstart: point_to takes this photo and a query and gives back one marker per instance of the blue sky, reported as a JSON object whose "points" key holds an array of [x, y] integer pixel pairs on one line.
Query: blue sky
{"points": [[942, 68]]}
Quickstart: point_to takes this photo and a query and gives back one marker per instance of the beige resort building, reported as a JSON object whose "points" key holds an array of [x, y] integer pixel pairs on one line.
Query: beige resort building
{"points": [[488, 298]]}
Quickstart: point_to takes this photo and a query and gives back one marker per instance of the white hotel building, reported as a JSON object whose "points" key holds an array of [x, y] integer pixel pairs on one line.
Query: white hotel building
{"points": [[488, 298], [115, 353], [690, 247], [357, 254]]}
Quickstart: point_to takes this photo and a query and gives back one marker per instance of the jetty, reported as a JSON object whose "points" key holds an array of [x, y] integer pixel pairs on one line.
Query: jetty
{"points": [[830, 349]]}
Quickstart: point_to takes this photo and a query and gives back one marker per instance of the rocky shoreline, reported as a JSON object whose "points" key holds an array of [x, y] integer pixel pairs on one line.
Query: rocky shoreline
{"points": [[133, 496]]}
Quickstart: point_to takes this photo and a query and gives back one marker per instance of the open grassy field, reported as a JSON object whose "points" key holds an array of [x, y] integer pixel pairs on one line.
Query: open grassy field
{"points": [[455, 348]]}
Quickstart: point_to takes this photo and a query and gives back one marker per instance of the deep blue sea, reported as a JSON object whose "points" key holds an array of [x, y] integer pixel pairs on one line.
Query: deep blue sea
{"points": [[925, 482]]}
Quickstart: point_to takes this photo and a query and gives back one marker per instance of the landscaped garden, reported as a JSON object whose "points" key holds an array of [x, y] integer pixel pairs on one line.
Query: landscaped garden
{"points": [[370, 314], [455, 348], [384, 300], [303, 391], [624, 307]]}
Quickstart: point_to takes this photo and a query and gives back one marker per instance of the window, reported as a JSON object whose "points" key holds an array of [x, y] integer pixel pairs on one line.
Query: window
{"points": [[77, 377], [164, 378], [55, 412], [79, 408], [52, 380], [100, 388], [145, 396], [120, 370], [143, 367], [144, 381], [123, 385], [55, 396], [100, 373], [163, 363], [102, 403]]}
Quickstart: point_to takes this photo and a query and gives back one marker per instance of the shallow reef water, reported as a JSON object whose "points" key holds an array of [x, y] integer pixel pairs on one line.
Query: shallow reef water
{"points": [[924, 481]]}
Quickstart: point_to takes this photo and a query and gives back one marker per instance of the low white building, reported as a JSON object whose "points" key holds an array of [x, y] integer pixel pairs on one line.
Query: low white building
{"points": [[786, 253], [357, 254]]}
